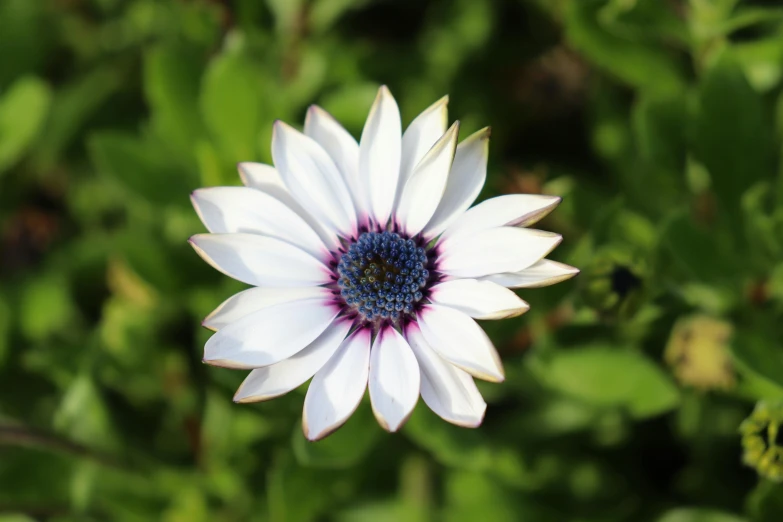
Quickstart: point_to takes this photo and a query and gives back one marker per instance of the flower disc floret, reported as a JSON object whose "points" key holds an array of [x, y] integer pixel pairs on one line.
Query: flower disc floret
{"points": [[383, 276]]}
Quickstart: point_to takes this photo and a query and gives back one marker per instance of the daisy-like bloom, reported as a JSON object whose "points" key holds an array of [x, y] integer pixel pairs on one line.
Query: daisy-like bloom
{"points": [[369, 269]]}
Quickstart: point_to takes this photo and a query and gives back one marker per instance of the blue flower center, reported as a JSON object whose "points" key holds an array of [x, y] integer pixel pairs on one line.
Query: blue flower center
{"points": [[382, 276]]}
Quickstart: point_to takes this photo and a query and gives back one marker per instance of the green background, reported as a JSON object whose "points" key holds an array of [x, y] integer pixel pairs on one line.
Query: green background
{"points": [[660, 122]]}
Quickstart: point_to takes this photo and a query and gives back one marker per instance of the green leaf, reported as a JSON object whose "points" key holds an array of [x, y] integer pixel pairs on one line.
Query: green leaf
{"points": [[759, 353], [659, 124], [46, 308], [612, 377], [732, 134], [344, 448], [637, 63], [23, 472], [474, 496], [325, 13], [762, 62], [297, 494], [5, 328], [231, 103], [83, 415], [149, 258], [699, 252], [141, 167], [765, 502], [23, 110], [171, 78], [449, 444], [699, 515], [385, 511], [72, 106]]}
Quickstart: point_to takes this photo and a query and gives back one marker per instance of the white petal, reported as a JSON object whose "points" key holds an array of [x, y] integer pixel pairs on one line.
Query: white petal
{"points": [[543, 273], [341, 147], [260, 260], [379, 155], [394, 379], [263, 177], [338, 387], [504, 249], [447, 390], [278, 379], [519, 210], [312, 178], [466, 179], [266, 179], [253, 299], [478, 299], [420, 136], [459, 340], [242, 209], [422, 192], [269, 335]]}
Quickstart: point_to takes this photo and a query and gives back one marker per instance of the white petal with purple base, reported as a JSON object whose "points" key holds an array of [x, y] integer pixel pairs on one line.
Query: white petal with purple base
{"points": [[459, 340], [312, 178], [253, 299], [394, 379], [421, 194], [449, 391], [280, 378], [420, 136], [260, 260], [269, 335], [496, 250], [478, 299], [518, 210], [543, 273], [242, 209], [338, 387], [379, 155], [467, 176]]}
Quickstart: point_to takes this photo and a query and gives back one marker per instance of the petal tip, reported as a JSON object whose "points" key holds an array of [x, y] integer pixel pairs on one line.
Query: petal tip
{"points": [[315, 436], [206, 324]]}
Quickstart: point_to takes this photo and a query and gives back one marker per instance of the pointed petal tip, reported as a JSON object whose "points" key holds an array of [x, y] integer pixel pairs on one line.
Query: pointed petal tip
{"points": [[206, 326], [246, 399], [315, 436], [279, 125], [242, 173], [470, 423]]}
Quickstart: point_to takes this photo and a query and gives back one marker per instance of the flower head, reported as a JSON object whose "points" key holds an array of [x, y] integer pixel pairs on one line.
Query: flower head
{"points": [[698, 352], [369, 268], [760, 439]]}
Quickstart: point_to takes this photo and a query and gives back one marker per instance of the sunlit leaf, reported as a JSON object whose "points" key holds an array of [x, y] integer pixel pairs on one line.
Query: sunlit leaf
{"points": [[23, 110], [612, 377]]}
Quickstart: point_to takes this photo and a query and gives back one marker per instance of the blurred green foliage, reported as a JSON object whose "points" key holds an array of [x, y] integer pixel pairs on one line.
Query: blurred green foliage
{"points": [[660, 122]]}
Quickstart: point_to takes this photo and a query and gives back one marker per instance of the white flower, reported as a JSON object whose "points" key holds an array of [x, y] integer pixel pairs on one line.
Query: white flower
{"points": [[369, 269]]}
